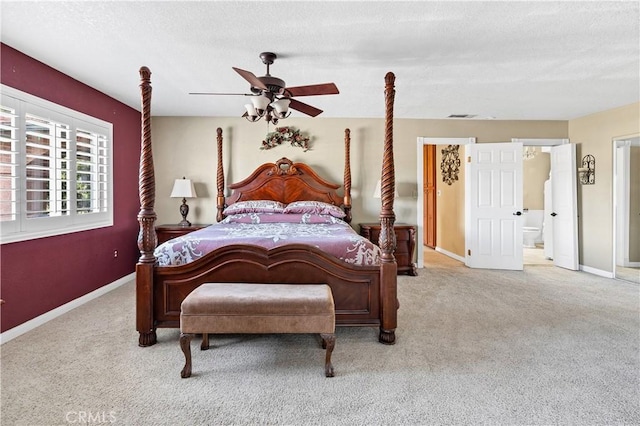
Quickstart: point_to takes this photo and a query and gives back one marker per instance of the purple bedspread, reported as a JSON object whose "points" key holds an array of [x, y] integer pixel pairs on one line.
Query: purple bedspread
{"points": [[329, 234]]}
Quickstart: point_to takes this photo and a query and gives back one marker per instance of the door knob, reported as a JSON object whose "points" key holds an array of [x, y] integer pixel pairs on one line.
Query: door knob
{"points": [[517, 213], [554, 214]]}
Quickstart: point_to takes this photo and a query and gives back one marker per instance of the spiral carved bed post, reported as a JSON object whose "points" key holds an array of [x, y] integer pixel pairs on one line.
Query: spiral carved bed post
{"points": [[387, 240], [220, 178], [147, 239], [347, 174]]}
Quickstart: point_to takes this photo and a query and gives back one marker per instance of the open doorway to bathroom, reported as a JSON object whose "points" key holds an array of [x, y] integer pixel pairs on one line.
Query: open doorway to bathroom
{"points": [[451, 200], [537, 236]]}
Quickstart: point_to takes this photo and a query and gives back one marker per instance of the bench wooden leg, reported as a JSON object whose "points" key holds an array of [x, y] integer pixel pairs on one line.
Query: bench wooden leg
{"points": [[185, 345], [205, 342], [328, 342]]}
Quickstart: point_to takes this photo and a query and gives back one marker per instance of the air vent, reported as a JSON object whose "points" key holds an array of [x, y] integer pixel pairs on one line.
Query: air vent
{"points": [[461, 116]]}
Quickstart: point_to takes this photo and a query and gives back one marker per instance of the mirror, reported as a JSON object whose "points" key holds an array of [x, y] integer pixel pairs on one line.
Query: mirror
{"points": [[626, 233]]}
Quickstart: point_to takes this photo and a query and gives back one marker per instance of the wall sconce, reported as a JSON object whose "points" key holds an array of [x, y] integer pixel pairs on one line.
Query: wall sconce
{"points": [[587, 172], [183, 188]]}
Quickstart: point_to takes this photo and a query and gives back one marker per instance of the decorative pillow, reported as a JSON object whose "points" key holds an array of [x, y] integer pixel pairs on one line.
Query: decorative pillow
{"points": [[256, 218], [254, 206], [314, 207]]}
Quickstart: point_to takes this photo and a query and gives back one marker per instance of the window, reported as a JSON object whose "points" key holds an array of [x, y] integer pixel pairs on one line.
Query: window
{"points": [[55, 169]]}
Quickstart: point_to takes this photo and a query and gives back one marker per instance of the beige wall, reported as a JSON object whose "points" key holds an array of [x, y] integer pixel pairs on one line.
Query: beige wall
{"points": [[450, 208], [594, 134], [535, 171], [186, 146]]}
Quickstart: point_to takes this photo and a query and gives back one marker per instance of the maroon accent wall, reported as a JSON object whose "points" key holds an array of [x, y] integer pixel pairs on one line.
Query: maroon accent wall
{"points": [[40, 275]]}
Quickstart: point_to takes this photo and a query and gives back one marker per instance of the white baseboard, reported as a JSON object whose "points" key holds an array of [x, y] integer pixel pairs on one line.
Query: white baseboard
{"points": [[48, 316], [452, 255], [596, 271], [628, 264]]}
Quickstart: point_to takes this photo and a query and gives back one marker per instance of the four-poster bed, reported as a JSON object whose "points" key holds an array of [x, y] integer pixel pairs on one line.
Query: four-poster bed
{"points": [[365, 294]]}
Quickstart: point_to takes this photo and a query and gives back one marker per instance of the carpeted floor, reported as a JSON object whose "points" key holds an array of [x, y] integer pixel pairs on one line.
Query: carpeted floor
{"points": [[543, 346]]}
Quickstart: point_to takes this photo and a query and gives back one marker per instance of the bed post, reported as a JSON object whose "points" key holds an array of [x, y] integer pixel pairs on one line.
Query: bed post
{"points": [[220, 179], [147, 239], [387, 240], [347, 175]]}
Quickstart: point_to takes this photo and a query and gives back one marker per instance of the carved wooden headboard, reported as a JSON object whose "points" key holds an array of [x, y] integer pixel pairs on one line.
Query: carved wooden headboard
{"points": [[284, 181]]}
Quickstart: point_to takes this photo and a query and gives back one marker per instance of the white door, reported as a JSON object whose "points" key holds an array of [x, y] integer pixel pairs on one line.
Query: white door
{"points": [[493, 182], [565, 206]]}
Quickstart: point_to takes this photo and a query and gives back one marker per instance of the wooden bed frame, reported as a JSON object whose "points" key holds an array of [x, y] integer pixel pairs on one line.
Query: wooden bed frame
{"points": [[363, 295]]}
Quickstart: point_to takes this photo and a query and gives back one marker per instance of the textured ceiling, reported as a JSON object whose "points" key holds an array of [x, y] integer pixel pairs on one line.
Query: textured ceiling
{"points": [[506, 60]]}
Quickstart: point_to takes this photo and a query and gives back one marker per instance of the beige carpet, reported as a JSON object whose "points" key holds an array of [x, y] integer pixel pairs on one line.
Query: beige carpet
{"points": [[543, 346]]}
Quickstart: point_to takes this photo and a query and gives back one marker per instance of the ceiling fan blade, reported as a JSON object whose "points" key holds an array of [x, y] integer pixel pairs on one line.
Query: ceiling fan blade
{"points": [[221, 94], [302, 107], [251, 78], [313, 89]]}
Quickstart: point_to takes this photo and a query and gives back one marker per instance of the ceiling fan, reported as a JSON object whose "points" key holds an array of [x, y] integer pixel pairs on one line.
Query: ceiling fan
{"points": [[271, 98]]}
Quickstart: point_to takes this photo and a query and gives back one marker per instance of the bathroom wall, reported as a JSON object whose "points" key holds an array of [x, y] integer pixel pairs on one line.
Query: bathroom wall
{"points": [[535, 171]]}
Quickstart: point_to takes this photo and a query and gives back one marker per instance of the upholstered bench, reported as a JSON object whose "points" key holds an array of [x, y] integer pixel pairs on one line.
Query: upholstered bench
{"points": [[230, 308]]}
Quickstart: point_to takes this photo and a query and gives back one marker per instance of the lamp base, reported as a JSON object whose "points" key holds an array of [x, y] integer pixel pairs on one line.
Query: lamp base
{"points": [[184, 211]]}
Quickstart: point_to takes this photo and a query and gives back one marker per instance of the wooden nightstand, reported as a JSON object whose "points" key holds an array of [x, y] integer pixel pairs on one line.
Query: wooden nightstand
{"points": [[405, 244], [167, 232]]}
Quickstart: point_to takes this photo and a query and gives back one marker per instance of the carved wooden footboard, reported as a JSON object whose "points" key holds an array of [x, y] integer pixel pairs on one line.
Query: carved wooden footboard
{"points": [[355, 289], [363, 295]]}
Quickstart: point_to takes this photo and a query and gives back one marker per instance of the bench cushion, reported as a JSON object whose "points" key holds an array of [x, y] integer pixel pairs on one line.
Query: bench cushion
{"points": [[258, 308]]}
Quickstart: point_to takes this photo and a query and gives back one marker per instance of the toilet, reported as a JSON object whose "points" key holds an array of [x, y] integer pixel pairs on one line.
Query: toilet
{"points": [[529, 236]]}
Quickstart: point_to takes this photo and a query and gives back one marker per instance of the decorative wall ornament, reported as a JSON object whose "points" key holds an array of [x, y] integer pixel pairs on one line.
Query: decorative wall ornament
{"points": [[587, 171], [286, 134], [529, 152], [450, 165]]}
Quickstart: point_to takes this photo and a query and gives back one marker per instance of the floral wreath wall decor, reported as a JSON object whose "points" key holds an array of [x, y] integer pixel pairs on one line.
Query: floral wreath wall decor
{"points": [[450, 165], [286, 134]]}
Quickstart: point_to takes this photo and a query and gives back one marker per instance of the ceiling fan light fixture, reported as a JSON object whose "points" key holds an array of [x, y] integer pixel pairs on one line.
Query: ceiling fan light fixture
{"points": [[260, 103], [252, 115], [282, 107], [272, 99]]}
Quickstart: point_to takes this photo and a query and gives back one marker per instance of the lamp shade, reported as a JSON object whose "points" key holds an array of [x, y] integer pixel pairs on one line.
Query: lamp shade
{"points": [[260, 103], [251, 110], [377, 193], [282, 106], [183, 188]]}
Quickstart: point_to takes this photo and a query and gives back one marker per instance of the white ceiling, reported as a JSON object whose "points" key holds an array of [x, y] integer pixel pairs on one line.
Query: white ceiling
{"points": [[506, 60]]}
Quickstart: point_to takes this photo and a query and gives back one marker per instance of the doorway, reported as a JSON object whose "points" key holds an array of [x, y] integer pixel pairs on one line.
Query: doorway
{"points": [[425, 226], [626, 209], [422, 207], [537, 244]]}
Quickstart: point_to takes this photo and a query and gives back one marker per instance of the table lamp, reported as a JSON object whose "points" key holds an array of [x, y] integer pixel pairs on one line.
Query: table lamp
{"points": [[377, 193], [183, 188]]}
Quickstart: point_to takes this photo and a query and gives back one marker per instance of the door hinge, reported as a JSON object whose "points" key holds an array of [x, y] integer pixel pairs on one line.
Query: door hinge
{"points": [[469, 252], [468, 159]]}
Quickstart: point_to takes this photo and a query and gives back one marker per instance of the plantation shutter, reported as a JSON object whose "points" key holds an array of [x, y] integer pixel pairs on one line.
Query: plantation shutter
{"points": [[48, 177], [8, 165], [91, 172]]}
